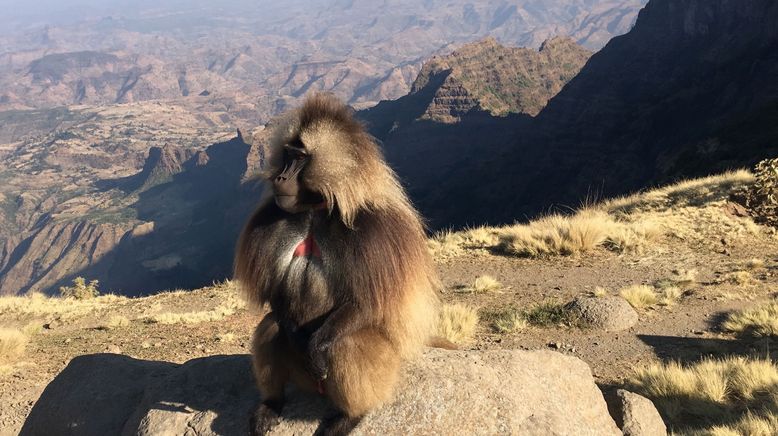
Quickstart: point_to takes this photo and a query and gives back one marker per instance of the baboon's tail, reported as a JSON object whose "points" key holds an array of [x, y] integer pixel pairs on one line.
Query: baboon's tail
{"points": [[441, 342]]}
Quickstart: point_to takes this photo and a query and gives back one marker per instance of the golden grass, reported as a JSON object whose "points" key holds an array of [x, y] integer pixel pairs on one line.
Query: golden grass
{"points": [[639, 296], [231, 303], [748, 425], [37, 304], [12, 345], [737, 278], [486, 283], [457, 323], [761, 320], [578, 233], [599, 291], [689, 210], [713, 394], [687, 193], [670, 295]]}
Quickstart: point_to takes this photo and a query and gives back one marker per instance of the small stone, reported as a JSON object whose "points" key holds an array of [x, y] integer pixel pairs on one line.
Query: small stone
{"points": [[114, 349], [145, 344]]}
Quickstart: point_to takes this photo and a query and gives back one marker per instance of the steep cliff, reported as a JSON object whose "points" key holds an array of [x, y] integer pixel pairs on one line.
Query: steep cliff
{"points": [[689, 91]]}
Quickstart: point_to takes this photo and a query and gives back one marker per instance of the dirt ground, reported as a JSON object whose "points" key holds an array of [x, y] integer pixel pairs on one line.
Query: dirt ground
{"points": [[685, 331]]}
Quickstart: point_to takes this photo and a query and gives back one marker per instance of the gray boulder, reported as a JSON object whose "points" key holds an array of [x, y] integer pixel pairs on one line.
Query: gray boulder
{"points": [[638, 415], [443, 392], [609, 313]]}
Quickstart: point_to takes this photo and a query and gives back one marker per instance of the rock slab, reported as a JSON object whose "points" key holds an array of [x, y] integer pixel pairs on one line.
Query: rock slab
{"points": [[443, 392], [639, 416]]}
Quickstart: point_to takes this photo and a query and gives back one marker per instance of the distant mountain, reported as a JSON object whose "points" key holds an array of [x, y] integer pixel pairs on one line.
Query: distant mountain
{"points": [[483, 76], [689, 91], [70, 178], [259, 58]]}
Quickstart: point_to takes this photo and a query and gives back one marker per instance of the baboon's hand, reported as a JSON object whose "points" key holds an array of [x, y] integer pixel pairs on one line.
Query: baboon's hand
{"points": [[318, 356]]}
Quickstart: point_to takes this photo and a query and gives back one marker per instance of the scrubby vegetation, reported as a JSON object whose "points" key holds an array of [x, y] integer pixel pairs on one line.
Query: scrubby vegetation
{"points": [[761, 320], [486, 283], [80, 289], [457, 323], [639, 296], [761, 198], [643, 296], [511, 319], [732, 396], [12, 344]]}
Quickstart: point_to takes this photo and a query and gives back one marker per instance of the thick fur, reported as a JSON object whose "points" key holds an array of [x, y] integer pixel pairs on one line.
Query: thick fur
{"points": [[374, 289]]}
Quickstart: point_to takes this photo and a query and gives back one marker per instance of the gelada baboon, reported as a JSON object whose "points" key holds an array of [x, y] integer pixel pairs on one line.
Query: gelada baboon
{"points": [[340, 256]]}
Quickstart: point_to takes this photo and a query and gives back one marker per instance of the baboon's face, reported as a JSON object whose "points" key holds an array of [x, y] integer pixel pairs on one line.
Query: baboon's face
{"points": [[291, 193]]}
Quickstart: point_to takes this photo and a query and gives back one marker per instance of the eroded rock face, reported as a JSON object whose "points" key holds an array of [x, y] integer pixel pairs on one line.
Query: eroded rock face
{"points": [[492, 392]]}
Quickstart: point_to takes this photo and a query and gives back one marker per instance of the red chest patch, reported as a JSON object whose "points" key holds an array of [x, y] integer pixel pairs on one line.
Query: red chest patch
{"points": [[307, 248]]}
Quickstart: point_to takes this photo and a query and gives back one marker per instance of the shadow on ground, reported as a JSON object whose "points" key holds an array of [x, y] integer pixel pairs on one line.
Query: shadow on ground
{"points": [[109, 394], [689, 350]]}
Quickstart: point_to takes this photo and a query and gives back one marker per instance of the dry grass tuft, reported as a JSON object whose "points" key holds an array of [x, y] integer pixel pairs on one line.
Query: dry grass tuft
{"points": [[36, 304], [546, 314], [599, 291], [578, 233], [669, 295], [231, 304], [551, 313], [639, 296], [757, 321], [445, 245], [505, 320], [12, 345], [486, 283], [750, 425], [741, 278], [226, 338], [457, 323], [712, 393]]}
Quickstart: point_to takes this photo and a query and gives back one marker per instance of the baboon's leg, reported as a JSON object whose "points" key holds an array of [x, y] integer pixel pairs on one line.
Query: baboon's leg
{"points": [[364, 368], [338, 424], [271, 373]]}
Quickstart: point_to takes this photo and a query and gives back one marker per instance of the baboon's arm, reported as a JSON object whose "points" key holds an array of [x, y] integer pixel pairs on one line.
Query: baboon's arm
{"points": [[341, 322]]}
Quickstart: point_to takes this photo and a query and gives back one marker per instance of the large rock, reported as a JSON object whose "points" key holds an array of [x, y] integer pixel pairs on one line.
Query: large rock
{"points": [[491, 392], [638, 415], [609, 313]]}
